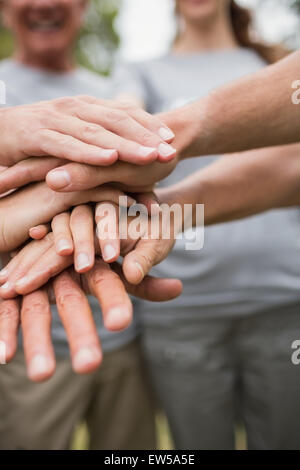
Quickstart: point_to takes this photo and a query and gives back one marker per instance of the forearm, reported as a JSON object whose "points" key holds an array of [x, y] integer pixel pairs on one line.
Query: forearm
{"points": [[241, 185], [38, 204], [253, 112]]}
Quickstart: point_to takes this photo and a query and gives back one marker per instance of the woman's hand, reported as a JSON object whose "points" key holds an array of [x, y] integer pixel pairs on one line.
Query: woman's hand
{"points": [[83, 129]]}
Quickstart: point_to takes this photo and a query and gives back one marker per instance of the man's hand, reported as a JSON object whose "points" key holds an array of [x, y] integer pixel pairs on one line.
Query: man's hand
{"points": [[69, 291], [38, 204]]}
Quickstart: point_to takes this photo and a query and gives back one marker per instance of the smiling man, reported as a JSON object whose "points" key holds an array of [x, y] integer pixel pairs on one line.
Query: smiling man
{"points": [[114, 400]]}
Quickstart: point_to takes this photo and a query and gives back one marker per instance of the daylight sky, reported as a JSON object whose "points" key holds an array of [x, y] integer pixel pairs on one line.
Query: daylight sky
{"points": [[146, 26]]}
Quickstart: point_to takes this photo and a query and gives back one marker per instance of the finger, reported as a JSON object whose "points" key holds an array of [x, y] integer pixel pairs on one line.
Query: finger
{"points": [[116, 121], [106, 216], [27, 171], [62, 234], [82, 228], [108, 288], [9, 325], [75, 177], [146, 254], [149, 200], [36, 330], [21, 264], [77, 319], [151, 288], [40, 204], [45, 267], [69, 148], [148, 121], [39, 231]]}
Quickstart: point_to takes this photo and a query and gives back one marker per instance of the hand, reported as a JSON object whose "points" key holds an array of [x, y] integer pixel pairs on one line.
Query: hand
{"points": [[70, 292], [43, 259], [37, 204], [83, 129]]}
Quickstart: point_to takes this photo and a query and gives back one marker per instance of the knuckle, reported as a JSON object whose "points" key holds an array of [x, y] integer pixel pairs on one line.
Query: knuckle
{"points": [[148, 137], [117, 115], [66, 102], [127, 106], [25, 172], [36, 307], [90, 131], [102, 275], [147, 259], [68, 297], [7, 311]]}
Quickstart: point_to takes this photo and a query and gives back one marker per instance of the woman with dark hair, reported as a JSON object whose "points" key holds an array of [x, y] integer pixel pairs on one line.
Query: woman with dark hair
{"points": [[222, 351]]}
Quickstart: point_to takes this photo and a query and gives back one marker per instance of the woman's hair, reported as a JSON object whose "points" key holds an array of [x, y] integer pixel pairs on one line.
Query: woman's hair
{"points": [[242, 23], [242, 26]]}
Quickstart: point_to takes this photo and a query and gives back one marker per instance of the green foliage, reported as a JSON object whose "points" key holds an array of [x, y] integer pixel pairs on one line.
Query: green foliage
{"points": [[296, 4], [97, 41], [6, 43]]}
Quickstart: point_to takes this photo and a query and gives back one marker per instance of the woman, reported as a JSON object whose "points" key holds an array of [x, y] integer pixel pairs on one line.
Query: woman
{"points": [[222, 350]]}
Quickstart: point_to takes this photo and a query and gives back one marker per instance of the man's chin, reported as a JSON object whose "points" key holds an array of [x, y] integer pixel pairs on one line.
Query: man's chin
{"points": [[47, 53]]}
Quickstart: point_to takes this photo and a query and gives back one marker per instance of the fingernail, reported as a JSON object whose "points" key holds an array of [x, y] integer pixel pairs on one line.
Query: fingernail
{"points": [[117, 317], [166, 150], [166, 133], [140, 269], [109, 252], [146, 151], [108, 153], [63, 245], [6, 286], [59, 178], [3, 273], [21, 282], [38, 366], [82, 261], [85, 357]]}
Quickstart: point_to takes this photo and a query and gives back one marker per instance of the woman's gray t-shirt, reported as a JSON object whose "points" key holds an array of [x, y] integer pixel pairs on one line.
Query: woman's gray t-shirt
{"points": [[247, 266]]}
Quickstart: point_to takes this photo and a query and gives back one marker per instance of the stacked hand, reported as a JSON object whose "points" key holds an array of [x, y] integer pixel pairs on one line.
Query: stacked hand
{"points": [[67, 264]]}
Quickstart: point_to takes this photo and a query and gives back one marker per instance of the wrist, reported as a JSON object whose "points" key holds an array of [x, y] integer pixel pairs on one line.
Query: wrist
{"points": [[192, 125], [7, 148]]}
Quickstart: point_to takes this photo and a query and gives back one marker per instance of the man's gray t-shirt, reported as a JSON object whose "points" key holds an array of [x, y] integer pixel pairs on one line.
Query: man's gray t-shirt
{"points": [[247, 266], [26, 85]]}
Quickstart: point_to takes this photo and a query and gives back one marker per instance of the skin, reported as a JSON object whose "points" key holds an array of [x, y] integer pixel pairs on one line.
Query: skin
{"points": [[69, 292], [213, 186], [210, 126], [205, 26], [192, 142], [96, 132], [69, 128]]}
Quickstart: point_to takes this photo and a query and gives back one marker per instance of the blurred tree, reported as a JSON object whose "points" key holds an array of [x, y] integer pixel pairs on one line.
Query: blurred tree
{"points": [[296, 5], [97, 42], [292, 38]]}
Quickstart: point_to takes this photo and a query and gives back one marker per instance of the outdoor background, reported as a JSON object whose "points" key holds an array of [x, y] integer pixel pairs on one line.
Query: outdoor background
{"points": [[141, 29], [133, 30]]}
